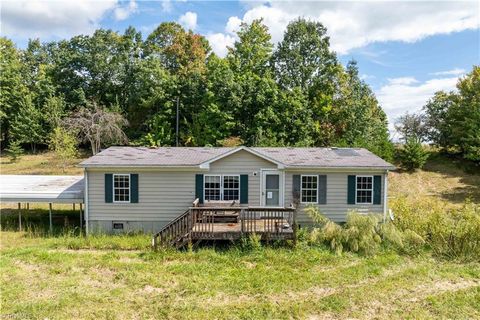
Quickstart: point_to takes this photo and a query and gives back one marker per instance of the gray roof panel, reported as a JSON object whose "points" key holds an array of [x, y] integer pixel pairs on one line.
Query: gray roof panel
{"points": [[194, 156]]}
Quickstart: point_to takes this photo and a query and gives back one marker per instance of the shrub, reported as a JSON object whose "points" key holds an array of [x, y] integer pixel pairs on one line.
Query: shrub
{"points": [[413, 243], [361, 234], [451, 233], [459, 234], [413, 156], [252, 242], [334, 236]]}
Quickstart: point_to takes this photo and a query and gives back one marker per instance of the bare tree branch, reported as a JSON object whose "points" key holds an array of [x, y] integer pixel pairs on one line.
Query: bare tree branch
{"points": [[97, 127]]}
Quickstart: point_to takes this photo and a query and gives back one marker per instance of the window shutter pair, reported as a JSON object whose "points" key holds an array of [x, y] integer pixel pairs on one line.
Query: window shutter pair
{"points": [[243, 188], [133, 188], [321, 188], [377, 189]]}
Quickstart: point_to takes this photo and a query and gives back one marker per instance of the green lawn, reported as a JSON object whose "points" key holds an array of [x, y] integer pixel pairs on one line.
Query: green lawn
{"points": [[45, 278], [65, 276]]}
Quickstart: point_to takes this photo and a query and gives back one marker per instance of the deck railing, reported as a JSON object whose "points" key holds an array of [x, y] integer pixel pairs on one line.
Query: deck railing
{"points": [[174, 231], [204, 223]]}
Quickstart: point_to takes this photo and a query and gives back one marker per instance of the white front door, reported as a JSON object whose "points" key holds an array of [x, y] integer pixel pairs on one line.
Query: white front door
{"points": [[272, 188]]}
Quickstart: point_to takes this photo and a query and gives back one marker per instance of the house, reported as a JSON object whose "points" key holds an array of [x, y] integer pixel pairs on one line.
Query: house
{"points": [[138, 188]]}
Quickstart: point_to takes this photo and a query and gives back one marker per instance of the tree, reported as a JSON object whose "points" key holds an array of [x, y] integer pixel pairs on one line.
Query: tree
{"points": [[453, 119], [254, 92], [12, 88], [14, 150], [436, 118], [465, 116], [64, 144], [26, 126], [303, 58], [413, 156], [97, 127], [412, 126]]}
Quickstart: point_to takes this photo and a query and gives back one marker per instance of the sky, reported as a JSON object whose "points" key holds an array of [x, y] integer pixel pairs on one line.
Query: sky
{"points": [[406, 50]]}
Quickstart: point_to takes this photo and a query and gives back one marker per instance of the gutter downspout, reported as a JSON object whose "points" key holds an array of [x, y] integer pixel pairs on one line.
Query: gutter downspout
{"points": [[85, 174], [385, 197]]}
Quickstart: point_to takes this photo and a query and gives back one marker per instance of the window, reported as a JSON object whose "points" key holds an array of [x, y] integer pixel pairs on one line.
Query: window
{"points": [[219, 187], [121, 188], [231, 187], [212, 187], [364, 189], [309, 189]]}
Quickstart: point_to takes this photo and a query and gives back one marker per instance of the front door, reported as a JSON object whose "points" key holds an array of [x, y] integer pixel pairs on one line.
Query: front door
{"points": [[272, 186]]}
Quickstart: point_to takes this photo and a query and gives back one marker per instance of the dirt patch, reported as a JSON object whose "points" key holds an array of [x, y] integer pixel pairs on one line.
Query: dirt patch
{"points": [[26, 267], [152, 290]]}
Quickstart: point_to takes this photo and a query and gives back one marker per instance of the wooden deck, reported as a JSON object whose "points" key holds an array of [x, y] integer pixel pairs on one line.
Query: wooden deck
{"points": [[228, 223], [267, 229]]}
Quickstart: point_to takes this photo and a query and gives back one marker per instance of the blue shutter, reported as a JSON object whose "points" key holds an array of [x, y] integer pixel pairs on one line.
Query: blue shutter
{"points": [[377, 189], [108, 187], [134, 188], [199, 187], [351, 189], [322, 189], [244, 188]]}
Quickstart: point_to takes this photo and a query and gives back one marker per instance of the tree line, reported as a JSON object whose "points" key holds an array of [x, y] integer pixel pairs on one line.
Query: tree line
{"points": [[294, 94], [449, 120]]}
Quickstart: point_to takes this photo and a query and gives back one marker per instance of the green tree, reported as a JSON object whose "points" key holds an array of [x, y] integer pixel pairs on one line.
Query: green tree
{"points": [[14, 150], [436, 118], [303, 58], [26, 126], [64, 144], [412, 155], [12, 88], [255, 91], [465, 116]]}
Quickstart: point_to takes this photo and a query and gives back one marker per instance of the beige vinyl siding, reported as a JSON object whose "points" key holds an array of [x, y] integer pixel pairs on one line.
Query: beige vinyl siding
{"points": [[244, 162], [337, 190], [162, 196]]}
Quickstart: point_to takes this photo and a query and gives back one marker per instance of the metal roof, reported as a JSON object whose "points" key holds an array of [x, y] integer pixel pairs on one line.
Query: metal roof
{"points": [[195, 157], [37, 188]]}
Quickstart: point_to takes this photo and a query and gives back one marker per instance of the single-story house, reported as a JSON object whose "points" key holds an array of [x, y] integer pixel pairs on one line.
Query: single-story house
{"points": [[139, 188]]}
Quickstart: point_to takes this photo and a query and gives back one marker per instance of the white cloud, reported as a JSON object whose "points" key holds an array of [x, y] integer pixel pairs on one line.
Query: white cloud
{"points": [[400, 95], [402, 81], [188, 20], [219, 43], [356, 24], [122, 13], [233, 25], [52, 19], [167, 6], [453, 72]]}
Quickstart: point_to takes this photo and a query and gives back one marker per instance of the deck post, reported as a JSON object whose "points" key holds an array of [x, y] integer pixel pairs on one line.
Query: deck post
{"points": [[295, 227], [81, 217], [50, 216], [242, 220], [19, 217]]}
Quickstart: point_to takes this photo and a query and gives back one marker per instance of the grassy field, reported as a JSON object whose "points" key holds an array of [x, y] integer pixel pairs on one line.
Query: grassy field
{"points": [[118, 277], [40, 163]]}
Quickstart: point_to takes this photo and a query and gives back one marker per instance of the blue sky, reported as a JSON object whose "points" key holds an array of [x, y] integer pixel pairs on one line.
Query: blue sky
{"points": [[405, 50]]}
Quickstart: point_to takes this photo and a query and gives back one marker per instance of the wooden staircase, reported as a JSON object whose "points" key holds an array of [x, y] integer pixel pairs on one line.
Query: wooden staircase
{"points": [[176, 233]]}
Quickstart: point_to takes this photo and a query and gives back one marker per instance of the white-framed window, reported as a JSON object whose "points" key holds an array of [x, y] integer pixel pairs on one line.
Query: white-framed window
{"points": [[231, 188], [212, 188], [309, 188], [121, 188], [364, 189], [221, 187]]}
